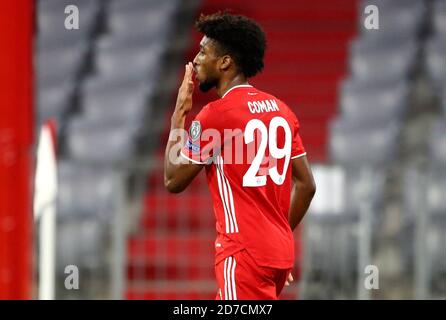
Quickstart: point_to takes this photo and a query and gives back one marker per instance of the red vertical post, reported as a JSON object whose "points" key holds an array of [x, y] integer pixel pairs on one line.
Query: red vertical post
{"points": [[16, 147]]}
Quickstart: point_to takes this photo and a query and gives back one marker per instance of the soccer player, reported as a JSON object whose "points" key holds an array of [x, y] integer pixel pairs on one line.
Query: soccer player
{"points": [[248, 142]]}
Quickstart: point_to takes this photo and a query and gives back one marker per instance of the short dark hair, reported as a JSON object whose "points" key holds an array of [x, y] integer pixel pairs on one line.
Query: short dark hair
{"points": [[240, 37]]}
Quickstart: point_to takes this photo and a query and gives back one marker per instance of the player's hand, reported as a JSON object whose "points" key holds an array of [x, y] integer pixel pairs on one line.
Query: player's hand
{"points": [[184, 99], [289, 280]]}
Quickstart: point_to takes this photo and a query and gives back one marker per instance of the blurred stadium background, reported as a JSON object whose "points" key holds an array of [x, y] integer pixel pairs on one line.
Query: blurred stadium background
{"points": [[372, 109]]}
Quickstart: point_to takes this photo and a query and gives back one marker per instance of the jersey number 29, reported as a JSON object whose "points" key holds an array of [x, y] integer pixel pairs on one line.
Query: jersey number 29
{"points": [[268, 138]]}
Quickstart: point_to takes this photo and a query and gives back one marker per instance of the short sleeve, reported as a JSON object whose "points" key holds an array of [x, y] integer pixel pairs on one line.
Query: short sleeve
{"points": [[203, 139], [297, 147]]}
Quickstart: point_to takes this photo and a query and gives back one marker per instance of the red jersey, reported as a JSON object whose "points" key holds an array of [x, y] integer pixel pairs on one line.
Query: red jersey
{"points": [[247, 140]]}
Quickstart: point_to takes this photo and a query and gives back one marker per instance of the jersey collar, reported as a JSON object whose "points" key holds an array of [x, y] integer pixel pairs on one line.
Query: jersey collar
{"points": [[234, 87]]}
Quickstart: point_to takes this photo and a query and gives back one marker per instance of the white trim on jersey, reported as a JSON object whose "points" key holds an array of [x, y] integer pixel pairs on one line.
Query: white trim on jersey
{"points": [[226, 197], [234, 288], [225, 278], [192, 160], [229, 278], [239, 86], [231, 198], [228, 223], [299, 155]]}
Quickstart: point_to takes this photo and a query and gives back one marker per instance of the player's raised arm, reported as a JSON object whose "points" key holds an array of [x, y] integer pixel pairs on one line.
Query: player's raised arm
{"points": [[303, 191], [178, 173]]}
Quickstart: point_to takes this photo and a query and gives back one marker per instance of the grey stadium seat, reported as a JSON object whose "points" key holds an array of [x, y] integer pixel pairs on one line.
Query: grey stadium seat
{"points": [[51, 17], [439, 17], [436, 256], [100, 142], [365, 102], [331, 252], [120, 101], [332, 225], [127, 18], [382, 61], [136, 5], [436, 59], [355, 144], [437, 142], [54, 101], [138, 39], [61, 64], [403, 16], [436, 237], [354, 191], [56, 41], [348, 183], [129, 62], [443, 101], [436, 190], [412, 196], [85, 192], [426, 201], [80, 243]]}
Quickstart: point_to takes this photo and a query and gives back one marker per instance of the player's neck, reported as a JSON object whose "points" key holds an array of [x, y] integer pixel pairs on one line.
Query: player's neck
{"points": [[226, 84]]}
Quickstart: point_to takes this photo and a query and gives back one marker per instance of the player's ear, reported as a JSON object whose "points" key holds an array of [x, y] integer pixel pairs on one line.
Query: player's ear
{"points": [[225, 62]]}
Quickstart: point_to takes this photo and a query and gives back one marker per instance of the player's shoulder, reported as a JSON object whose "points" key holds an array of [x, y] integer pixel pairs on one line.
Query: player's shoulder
{"points": [[266, 95], [283, 106], [207, 113]]}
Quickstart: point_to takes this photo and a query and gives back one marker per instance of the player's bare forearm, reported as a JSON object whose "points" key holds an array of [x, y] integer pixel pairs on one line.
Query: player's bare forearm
{"points": [[303, 191], [300, 201], [179, 172], [172, 160]]}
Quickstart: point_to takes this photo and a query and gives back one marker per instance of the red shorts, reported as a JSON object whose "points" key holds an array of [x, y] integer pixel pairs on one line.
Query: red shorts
{"points": [[240, 278]]}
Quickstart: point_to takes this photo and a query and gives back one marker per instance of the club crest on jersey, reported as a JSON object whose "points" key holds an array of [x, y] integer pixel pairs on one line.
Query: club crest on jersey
{"points": [[195, 130]]}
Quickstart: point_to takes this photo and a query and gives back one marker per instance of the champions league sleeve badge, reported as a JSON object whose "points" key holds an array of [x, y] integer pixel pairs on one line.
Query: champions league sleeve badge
{"points": [[195, 130]]}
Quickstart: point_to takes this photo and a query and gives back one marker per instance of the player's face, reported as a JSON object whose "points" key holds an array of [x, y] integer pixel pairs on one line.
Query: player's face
{"points": [[205, 65]]}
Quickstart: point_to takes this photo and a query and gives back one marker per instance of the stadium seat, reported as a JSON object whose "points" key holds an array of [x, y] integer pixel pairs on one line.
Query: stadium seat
{"points": [[377, 61], [355, 193], [435, 60], [54, 101], [412, 196], [117, 100], [80, 243], [436, 256], [331, 253], [61, 64], [332, 227], [85, 192], [436, 239], [96, 141], [349, 185], [354, 144], [365, 102], [143, 39], [443, 101], [437, 142], [439, 17], [403, 16], [51, 17], [53, 42], [128, 62], [137, 5], [126, 18], [426, 199], [436, 189]]}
